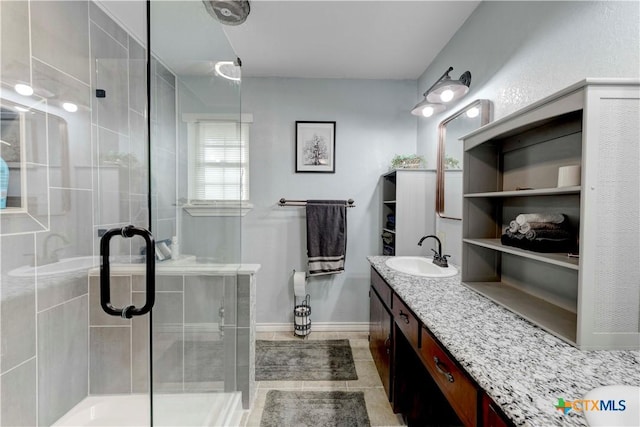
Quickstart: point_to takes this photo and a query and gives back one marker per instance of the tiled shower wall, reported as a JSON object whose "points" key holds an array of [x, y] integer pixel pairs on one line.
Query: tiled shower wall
{"points": [[203, 335], [90, 170]]}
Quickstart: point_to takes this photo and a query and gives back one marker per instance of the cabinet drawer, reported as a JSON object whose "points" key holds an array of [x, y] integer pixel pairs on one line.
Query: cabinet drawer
{"points": [[455, 385], [406, 321], [381, 288]]}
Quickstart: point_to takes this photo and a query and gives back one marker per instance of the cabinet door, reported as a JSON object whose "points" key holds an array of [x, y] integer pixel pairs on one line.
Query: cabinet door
{"points": [[491, 417], [380, 339]]}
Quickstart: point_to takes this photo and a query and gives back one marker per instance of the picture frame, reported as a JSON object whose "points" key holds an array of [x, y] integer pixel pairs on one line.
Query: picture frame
{"points": [[315, 147]]}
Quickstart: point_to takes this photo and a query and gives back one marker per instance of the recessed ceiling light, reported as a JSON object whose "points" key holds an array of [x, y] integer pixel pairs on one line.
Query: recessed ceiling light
{"points": [[23, 89]]}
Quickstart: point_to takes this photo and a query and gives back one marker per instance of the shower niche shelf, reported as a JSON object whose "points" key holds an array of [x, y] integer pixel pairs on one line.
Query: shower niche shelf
{"points": [[511, 167]]}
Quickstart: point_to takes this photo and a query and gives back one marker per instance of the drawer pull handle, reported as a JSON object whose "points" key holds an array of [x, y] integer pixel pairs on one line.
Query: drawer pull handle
{"points": [[404, 317], [443, 369]]}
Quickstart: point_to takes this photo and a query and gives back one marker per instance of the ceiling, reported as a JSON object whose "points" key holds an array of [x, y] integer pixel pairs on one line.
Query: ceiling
{"points": [[359, 39], [345, 39]]}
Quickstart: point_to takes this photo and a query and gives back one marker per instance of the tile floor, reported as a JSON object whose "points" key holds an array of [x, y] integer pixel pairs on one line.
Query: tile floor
{"points": [[378, 407]]}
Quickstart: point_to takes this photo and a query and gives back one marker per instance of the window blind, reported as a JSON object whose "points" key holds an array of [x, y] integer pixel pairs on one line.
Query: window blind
{"points": [[221, 163]]}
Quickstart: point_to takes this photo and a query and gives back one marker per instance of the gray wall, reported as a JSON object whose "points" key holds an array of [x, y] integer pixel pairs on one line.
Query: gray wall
{"points": [[372, 124], [520, 52]]}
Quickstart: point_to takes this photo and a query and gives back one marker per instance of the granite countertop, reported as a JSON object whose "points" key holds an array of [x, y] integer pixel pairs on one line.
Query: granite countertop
{"points": [[524, 369]]}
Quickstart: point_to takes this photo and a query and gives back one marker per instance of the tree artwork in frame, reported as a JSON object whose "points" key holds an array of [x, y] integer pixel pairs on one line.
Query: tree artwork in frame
{"points": [[316, 147]]}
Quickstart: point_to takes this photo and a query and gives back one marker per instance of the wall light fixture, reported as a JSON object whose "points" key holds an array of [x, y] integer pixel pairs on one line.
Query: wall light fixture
{"points": [[444, 90]]}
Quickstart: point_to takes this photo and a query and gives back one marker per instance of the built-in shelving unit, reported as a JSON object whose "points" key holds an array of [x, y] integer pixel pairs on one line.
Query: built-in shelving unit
{"points": [[408, 195], [511, 167], [560, 259], [529, 192]]}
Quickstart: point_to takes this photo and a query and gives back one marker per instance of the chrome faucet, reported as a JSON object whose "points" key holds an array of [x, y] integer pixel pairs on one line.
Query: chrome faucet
{"points": [[438, 259], [50, 256]]}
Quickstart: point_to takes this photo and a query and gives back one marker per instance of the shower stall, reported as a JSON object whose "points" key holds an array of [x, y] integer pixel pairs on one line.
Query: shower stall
{"points": [[119, 114]]}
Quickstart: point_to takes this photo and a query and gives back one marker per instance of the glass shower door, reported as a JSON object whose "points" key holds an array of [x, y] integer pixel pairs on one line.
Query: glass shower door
{"points": [[182, 355], [196, 188]]}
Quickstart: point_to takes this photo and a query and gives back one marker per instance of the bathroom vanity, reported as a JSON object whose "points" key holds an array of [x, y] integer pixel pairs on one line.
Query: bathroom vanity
{"points": [[446, 354]]}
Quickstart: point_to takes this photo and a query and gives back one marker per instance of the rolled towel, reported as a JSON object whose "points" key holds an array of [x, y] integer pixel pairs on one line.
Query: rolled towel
{"points": [[513, 226], [547, 234], [516, 235], [524, 228], [555, 218], [547, 225]]}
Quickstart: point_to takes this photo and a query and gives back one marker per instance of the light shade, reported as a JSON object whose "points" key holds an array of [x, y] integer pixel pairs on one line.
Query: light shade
{"points": [[447, 90], [442, 91], [70, 107], [23, 89], [427, 109]]}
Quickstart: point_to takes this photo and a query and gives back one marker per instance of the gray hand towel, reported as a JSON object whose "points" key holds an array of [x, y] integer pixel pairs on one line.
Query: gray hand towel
{"points": [[326, 236]]}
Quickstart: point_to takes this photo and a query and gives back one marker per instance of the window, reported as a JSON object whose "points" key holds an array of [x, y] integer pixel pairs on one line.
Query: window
{"points": [[218, 162]]}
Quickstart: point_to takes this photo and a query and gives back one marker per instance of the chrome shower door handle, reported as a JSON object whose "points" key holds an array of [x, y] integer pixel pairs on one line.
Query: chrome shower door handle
{"points": [[105, 272]]}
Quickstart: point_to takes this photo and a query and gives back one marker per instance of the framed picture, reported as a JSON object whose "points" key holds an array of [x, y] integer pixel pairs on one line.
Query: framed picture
{"points": [[316, 147]]}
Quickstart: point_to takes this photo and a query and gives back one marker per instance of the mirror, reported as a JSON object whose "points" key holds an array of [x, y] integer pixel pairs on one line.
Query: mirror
{"points": [[450, 155]]}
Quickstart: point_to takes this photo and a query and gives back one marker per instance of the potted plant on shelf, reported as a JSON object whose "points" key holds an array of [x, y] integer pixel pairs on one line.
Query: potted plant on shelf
{"points": [[404, 161]]}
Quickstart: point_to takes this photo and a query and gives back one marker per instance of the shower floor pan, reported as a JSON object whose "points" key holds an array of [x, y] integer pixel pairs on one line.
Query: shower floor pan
{"points": [[197, 409]]}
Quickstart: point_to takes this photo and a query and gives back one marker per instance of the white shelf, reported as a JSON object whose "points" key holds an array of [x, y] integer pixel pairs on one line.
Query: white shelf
{"points": [[559, 259], [561, 294], [408, 195], [550, 317], [535, 192]]}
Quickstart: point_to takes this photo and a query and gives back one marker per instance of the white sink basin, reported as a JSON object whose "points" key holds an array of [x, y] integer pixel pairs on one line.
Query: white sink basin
{"points": [[64, 266], [419, 266]]}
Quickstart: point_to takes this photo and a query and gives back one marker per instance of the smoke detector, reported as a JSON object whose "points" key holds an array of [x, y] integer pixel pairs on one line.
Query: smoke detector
{"points": [[228, 12]]}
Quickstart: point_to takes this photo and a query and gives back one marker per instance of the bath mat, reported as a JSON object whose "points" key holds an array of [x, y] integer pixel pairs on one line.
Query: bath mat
{"points": [[315, 408], [327, 360]]}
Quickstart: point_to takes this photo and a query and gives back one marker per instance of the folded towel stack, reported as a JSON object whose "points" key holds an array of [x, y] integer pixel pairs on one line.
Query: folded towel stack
{"points": [[387, 243], [540, 232], [391, 222]]}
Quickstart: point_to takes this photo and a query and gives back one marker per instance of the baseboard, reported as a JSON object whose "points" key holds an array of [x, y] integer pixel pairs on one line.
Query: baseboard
{"points": [[316, 327]]}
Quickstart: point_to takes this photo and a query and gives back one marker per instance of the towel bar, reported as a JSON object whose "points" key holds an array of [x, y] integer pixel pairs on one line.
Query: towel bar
{"points": [[285, 202]]}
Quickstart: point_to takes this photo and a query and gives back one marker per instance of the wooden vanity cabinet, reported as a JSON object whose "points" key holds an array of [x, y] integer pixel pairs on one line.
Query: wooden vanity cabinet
{"points": [[415, 394], [454, 383], [380, 338], [406, 321], [491, 415], [380, 328], [423, 382]]}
